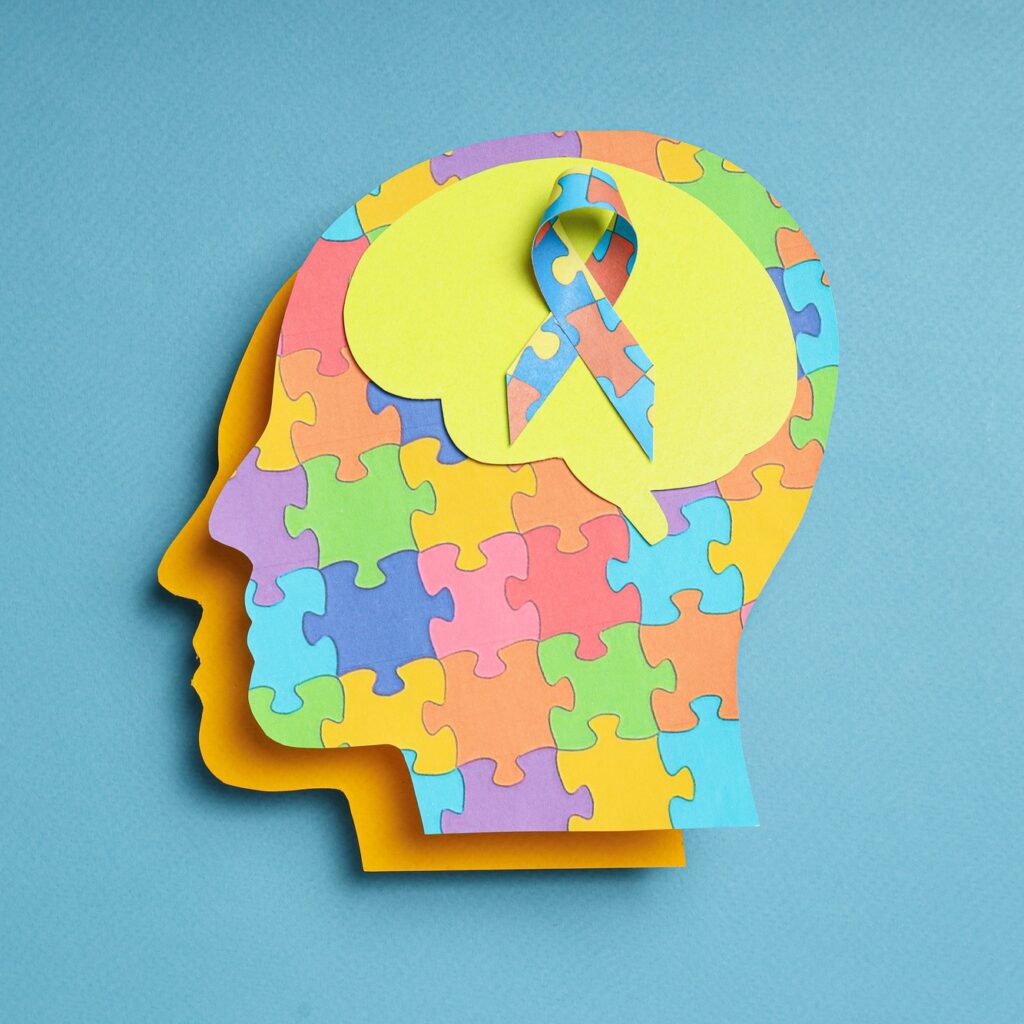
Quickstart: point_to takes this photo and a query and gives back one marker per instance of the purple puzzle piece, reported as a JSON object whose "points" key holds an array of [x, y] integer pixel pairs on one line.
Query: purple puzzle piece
{"points": [[379, 628], [538, 803], [462, 163], [249, 516], [673, 502]]}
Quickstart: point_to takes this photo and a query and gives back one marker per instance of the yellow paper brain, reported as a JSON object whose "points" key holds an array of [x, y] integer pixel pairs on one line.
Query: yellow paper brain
{"points": [[445, 298]]}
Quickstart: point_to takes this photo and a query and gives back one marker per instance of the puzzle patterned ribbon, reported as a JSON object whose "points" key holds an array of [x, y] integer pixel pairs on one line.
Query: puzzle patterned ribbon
{"points": [[580, 293]]}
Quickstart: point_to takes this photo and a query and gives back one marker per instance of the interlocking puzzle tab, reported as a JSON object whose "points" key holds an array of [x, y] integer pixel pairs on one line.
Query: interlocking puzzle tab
{"points": [[545, 660]]}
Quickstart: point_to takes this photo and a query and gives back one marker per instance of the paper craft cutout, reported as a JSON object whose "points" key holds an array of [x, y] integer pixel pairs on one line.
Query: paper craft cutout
{"points": [[442, 302], [583, 323], [625, 748]]}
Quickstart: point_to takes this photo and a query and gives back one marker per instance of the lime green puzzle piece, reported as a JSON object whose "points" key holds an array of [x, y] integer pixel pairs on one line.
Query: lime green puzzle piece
{"points": [[743, 204], [322, 699], [823, 388], [619, 683], [360, 521]]}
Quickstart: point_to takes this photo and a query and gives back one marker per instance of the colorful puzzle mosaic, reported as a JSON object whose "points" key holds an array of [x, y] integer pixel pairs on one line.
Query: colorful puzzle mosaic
{"points": [[541, 665]]}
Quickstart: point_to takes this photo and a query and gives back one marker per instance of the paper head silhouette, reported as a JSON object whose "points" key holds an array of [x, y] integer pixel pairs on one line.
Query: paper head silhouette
{"points": [[531, 577]]}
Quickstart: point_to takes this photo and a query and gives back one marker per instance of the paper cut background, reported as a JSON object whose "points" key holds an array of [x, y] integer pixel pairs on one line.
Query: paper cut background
{"points": [[165, 168]]}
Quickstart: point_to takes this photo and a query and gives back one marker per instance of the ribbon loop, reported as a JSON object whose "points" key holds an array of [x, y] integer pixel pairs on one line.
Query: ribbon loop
{"points": [[580, 292]]}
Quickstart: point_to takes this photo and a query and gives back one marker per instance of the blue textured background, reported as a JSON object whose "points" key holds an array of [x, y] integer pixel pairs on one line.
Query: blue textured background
{"points": [[163, 171]]}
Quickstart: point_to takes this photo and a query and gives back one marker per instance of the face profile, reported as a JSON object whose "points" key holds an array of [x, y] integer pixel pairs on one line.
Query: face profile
{"points": [[541, 624]]}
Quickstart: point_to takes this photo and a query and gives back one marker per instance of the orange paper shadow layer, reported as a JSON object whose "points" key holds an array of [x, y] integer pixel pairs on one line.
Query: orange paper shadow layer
{"points": [[374, 779]]}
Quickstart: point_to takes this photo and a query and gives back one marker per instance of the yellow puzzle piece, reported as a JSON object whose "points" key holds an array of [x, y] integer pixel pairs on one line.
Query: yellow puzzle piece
{"points": [[397, 719], [627, 779], [761, 529]]}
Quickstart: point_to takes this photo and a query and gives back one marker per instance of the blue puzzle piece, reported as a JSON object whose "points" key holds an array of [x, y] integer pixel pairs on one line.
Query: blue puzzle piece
{"points": [[633, 407], [379, 628], [346, 228], [421, 417], [282, 657], [804, 287], [713, 753], [801, 321], [435, 794], [680, 562], [562, 299]]}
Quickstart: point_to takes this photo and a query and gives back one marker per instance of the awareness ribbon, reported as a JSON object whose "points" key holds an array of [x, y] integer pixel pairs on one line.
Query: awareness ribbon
{"points": [[583, 323]]}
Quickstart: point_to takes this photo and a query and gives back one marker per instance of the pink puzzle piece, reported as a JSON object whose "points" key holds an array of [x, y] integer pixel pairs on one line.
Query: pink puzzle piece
{"points": [[314, 316], [570, 589], [483, 623]]}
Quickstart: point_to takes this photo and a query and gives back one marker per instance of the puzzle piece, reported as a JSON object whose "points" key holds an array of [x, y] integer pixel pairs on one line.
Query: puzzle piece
{"points": [[474, 500], [420, 417], [744, 204], [799, 465], [630, 785], [345, 229], [620, 684], [677, 161], [793, 247], [396, 720], [806, 286], [570, 590], [703, 650], [436, 794], [249, 516], [812, 426], [282, 657], [313, 318], [500, 718], [378, 628], [275, 443], [361, 521], [713, 754], [538, 803], [674, 501], [483, 622], [804, 320], [636, 150], [680, 562], [761, 529], [560, 501], [344, 424], [322, 699], [470, 160]]}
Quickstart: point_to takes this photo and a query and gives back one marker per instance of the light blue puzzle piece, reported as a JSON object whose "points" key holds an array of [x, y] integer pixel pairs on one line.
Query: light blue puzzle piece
{"points": [[634, 407], [680, 562], [562, 299], [346, 228], [804, 287], [436, 793], [713, 753], [282, 659]]}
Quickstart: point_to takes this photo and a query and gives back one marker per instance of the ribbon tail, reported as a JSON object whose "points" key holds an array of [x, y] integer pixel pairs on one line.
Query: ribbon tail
{"points": [[620, 366], [535, 374]]}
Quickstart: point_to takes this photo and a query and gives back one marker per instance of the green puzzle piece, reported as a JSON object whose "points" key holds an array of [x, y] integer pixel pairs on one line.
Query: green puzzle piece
{"points": [[743, 204], [619, 683], [360, 521], [823, 388], [322, 698]]}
